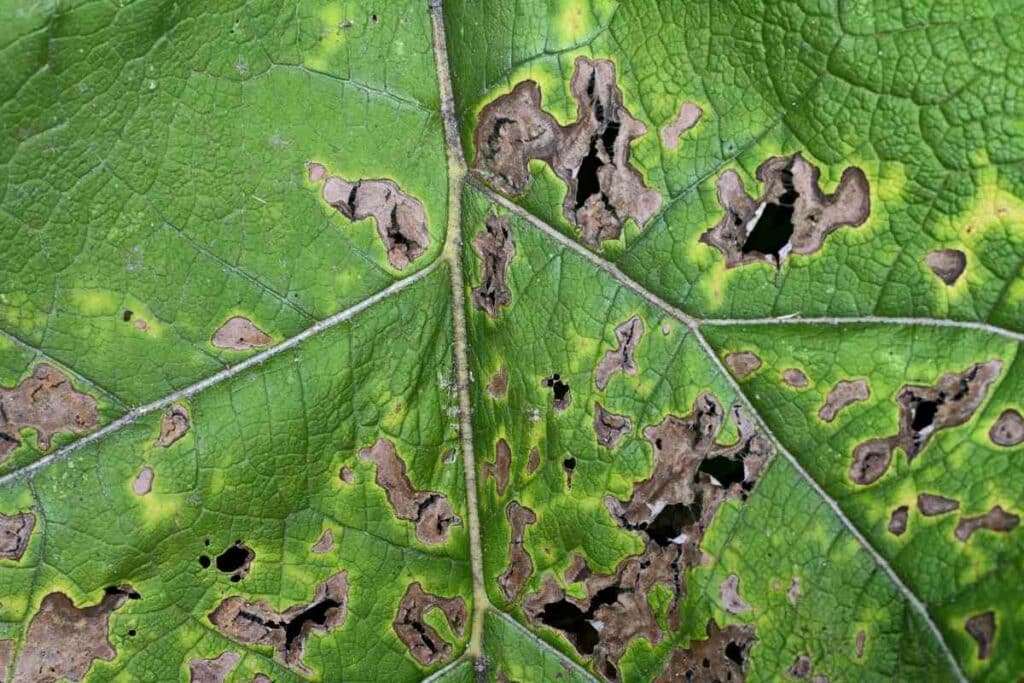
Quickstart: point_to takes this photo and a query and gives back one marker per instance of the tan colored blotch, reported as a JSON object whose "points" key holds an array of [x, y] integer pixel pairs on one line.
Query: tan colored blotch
{"points": [[841, 395], [325, 543], [15, 532], [499, 469], [495, 247], [213, 670], [743, 363], [623, 357], [143, 482], [688, 117], [898, 520], [6, 655], [720, 650], [425, 644], [173, 426], [520, 564], [1008, 429], [947, 264], [930, 504], [982, 627], [63, 641], [609, 427], [730, 593], [240, 334], [400, 217], [795, 377], [801, 667], [997, 519], [497, 388], [48, 402]]}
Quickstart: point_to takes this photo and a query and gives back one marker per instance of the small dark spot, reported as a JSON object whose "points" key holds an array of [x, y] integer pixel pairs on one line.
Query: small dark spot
{"points": [[127, 316], [561, 394], [204, 561], [374, 19], [132, 632], [569, 465]]}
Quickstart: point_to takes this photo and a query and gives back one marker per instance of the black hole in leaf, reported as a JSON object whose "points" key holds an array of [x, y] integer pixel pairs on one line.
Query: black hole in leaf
{"points": [[735, 653], [132, 632], [317, 614], [204, 561], [127, 315], [924, 415], [671, 521], [726, 471], [774, 228], [233, 559]]}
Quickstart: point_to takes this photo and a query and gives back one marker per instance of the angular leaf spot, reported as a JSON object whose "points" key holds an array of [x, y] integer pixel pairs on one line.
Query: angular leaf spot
{"points": [[48, 402], [425, 644]]}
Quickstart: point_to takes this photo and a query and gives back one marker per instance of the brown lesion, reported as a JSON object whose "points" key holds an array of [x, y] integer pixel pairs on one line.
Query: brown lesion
{"points": [[1008, 429], [844, 393], [424, 642], [623, 357], [495, 248], [743, 363], [982, 627], [48, 402], [898, 520], [590, 155], [497, 387], [610, 427], [257, 623], [688, 116], [15, 533], [520, 564], [499, 469], [795, 378], [997, 519], [930, 504], [240, 334], [729, 591], [561, 392], [143, 482], [400, 217], [947, 264], [691, 476], [428, 510], [214, 670], [723, 656], [63, 641], [174, 425], [924, 410], [792, 215]]}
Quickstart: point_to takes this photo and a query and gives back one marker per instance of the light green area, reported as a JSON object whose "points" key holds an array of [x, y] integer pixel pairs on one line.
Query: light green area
{"points": [[153, 159]]}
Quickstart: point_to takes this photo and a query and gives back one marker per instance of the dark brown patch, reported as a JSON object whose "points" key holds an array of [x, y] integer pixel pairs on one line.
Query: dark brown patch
{"points": [[688, 117], [6, 656], [591, 155], [239, 334], [498, 386], [520, 565], [950, 402], [401, 220], [792, 215], [898, 520], [143, 482], [729, 590], [795, 378], [743, 363], [578, 569], [609, 427], [499, 468], [236, 560], [947, 264], [569, 467], [257, 623], [691, 477], [214, 670], [15, 532], [48, 402], [843, 394], [801, 667], [858, 644], [621, 358], [495, 247], [347, 475], [325, 543], [996, 519], [723, 656], [561, 393], [1008, 429], [425, 644], [62, 640], [430, 511], [982, 627], [793, 594], [174, 425], [930, 504], [533, 461]]}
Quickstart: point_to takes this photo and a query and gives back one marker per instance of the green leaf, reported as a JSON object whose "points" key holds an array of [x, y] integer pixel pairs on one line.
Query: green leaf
{"points": [[511, 341]]}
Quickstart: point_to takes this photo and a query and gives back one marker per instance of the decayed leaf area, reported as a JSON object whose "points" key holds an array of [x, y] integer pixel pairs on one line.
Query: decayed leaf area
{"points": [[688, 468]]}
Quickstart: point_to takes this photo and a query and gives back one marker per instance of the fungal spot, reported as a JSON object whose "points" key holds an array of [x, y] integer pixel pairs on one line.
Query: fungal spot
{"points": [[795, 378], [15, 533], [670, 511], [425, 644], [792, 216], [500, 467], [743, 363], [214, 670], [174, 425], [497, 388], [325, 543], [729, 590], [688, 116], [495, 248], [347, 475], [143, 482], [858, 644], [47, 402], [63, 641], [533, 461], [996, 519], [262, 678], [950, 402], [930, 505], [520, 565], [401, 220], [1008, 430], [622, 358], [982, 627], [947, 264], [898, 520], [841, 395], [561, 395], [590, 155], [801, 667], [240, 334], [429, 511], [723, 656], [569, 466], [257, 623], [793, 594], [609, 427]]}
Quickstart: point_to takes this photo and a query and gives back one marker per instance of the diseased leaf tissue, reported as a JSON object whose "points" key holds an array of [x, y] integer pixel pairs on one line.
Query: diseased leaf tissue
{"points": [[579, 340]]}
